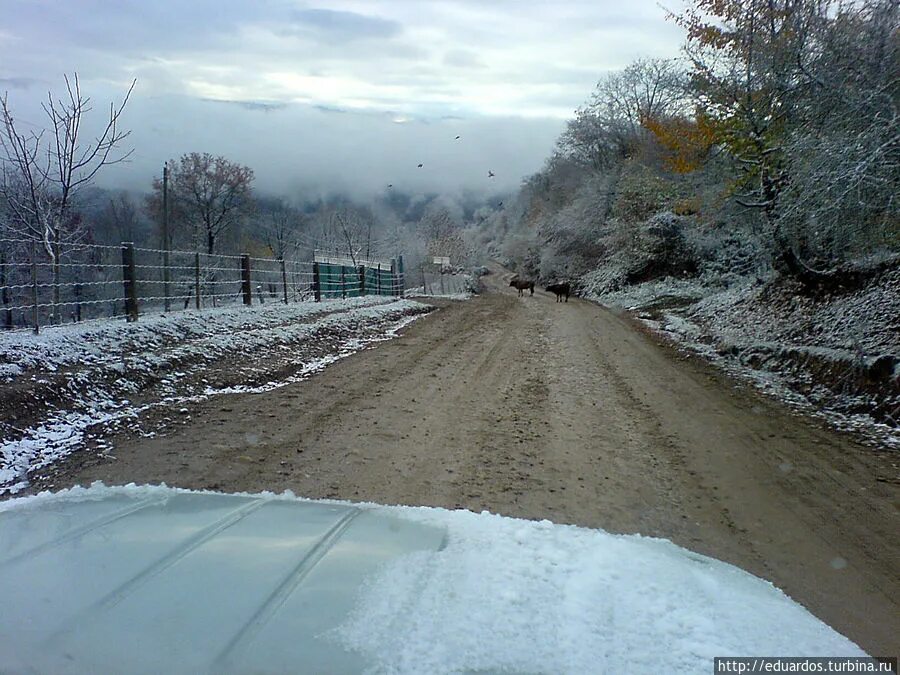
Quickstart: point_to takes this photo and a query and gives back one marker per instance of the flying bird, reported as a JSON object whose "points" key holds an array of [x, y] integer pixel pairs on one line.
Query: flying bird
{"points": [[500, 204], [457, 138], [421, 165], [390, 185], [490, 174]]}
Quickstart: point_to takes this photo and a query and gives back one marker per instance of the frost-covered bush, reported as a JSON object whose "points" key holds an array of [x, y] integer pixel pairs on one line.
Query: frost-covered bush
{"points": [[725, 254], [522, 253], [472, 284], [656, 248], [641, 193]]}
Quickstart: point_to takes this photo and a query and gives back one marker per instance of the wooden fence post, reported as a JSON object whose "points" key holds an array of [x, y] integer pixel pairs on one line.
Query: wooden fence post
{"points": [[245, 279], [77, 291], [34, 290], [284, 280], [129, 281], [317, 288], [362, 280], [197, 279], [165, 238], [393, 276], [4, 282]]}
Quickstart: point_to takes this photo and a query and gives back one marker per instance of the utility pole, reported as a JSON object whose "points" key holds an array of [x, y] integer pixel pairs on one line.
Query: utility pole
{"points": [[165, 236]]}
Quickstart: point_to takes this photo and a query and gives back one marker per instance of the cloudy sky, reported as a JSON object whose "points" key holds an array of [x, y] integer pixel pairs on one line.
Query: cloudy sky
{"points": [[332, 96]]}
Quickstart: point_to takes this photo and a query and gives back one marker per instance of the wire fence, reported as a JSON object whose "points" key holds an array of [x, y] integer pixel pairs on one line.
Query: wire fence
{"points": [[431, 282], [87, 282]]}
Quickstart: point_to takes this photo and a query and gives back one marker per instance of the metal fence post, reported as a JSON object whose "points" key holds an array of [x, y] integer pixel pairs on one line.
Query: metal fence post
{"points": [[378, 280], [34, 290], [197, 279], [317, 288], [129, 281], [343, 287], [284, 280], [245, 279], [362, 280]]}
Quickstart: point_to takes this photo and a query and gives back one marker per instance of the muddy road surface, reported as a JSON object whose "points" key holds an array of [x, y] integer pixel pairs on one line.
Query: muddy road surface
{"points": [[565, 411]]}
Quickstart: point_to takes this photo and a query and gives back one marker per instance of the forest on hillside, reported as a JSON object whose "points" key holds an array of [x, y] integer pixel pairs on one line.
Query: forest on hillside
{"points": [[772, 145]]}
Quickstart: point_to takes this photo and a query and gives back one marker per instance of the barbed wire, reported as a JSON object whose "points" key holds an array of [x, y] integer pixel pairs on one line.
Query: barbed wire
{"points": [[64, 284], [208, 280]]}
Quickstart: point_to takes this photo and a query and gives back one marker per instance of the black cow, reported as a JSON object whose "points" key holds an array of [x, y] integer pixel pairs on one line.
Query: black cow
{"points": [[561, 289]]}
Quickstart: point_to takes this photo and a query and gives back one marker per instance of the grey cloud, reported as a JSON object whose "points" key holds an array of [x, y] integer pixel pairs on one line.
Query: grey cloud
{"points": [[136, 26], [329, 24], [17, 82], [330, 109], [304, 148], [463, 58], [263, 106]]}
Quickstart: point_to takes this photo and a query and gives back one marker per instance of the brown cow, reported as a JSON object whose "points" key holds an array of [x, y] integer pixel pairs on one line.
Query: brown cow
{"points": [[522, 285]]}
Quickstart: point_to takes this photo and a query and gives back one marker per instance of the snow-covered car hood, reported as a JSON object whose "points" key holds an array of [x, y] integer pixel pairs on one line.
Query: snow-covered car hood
{"points": [[152, 579]]}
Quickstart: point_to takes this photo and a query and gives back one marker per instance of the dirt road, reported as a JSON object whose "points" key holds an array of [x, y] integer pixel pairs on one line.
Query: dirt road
{"points": [[535, 409]]}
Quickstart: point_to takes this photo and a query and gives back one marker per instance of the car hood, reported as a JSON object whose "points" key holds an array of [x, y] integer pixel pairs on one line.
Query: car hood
{"points": [[150, 579], [163, 581]]}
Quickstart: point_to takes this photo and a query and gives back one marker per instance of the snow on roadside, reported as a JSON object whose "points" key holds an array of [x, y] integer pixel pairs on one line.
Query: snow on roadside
{"points": [[98, 392], [418, 293], [107, 342], [350, 346], [828, 357]]}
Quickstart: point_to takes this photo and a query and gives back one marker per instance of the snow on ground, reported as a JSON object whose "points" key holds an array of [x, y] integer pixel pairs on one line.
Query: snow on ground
{"points": [[81, 378], [109, 342], [418, 293], [509, 595]]}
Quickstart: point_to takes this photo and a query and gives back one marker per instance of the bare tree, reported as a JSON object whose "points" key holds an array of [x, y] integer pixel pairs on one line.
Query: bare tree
{"points": [[609, 127], [280, 226], [120, 217], [442, 234], [347, 229], [210, 194], [42, 170]]}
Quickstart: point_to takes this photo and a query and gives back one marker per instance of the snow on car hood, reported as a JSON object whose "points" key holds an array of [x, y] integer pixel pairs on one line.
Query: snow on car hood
{"points": [[154, 579]]}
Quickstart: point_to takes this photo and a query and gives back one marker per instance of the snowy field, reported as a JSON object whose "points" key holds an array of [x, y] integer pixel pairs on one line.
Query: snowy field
{"points": [[502, 595], [70, 380]]}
